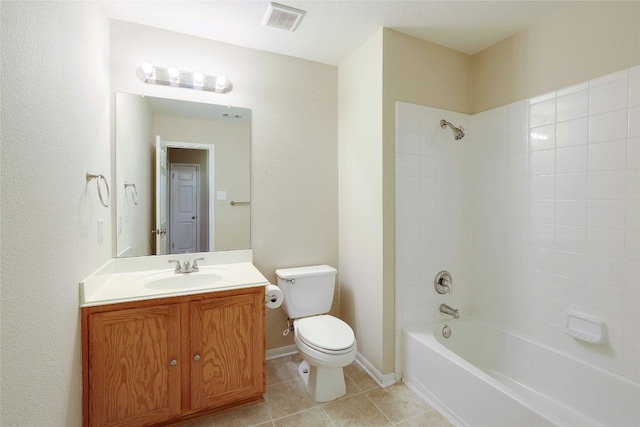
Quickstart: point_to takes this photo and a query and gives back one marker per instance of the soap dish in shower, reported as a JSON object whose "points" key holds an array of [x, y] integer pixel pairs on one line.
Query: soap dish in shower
{"points": [[584, 327]]}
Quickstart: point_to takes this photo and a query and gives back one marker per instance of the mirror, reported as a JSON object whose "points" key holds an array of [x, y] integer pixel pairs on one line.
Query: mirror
{"points": [[182, 176]]}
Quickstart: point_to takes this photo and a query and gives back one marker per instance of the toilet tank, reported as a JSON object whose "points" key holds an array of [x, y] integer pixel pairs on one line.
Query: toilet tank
{"points": [[307, 291]]}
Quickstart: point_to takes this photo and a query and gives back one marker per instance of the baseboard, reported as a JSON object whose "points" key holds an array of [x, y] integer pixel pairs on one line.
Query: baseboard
{"points": [[383, 380], [276, 353]]}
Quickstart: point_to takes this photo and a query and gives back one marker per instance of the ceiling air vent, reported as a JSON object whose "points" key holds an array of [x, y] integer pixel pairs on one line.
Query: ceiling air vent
{"points": [[282, 17]]}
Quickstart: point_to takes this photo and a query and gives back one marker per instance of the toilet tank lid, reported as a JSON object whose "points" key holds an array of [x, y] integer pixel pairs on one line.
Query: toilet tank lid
{"points": [[313, 270]]}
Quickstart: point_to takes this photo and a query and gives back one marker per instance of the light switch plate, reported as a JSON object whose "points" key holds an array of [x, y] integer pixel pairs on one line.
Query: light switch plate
{"points": [[221, 195]]}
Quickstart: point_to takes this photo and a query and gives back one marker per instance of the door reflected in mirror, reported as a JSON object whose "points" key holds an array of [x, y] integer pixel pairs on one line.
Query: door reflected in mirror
{"points": [[182, 176]]}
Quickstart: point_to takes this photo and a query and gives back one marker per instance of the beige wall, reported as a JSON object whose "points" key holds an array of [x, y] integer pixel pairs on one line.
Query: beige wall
{"points": [[360, 194], [294, 140], [55, 128], [579, 42], [419, 72]]}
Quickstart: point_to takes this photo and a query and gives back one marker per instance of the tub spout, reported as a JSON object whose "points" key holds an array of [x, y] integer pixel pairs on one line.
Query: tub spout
{"points": [[444, 308]]}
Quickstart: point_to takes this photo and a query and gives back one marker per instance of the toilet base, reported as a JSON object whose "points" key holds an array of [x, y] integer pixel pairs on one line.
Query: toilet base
{"points": [[323, 384]]}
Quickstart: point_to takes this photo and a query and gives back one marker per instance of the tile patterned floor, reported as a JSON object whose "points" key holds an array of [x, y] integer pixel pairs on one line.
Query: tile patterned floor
{"points": [[287, 404]]}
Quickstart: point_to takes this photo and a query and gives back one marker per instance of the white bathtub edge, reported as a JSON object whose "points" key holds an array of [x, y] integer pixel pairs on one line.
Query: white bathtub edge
{"points": [[433, 402]]}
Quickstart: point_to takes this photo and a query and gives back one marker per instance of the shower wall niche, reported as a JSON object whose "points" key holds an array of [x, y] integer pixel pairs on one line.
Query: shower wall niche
{"points": [[534, 212]]}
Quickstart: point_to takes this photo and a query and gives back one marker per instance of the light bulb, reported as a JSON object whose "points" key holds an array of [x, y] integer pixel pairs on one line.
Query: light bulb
{"points": [[221, 82], [147, 70], [198, 78], [173, 74]]}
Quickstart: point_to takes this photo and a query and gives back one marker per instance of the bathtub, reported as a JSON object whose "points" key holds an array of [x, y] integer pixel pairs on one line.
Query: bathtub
{"points": [[485, 376]]}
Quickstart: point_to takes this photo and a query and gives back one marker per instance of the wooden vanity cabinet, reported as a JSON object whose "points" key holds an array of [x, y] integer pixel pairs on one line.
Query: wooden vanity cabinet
{"points": [[163, 361]]}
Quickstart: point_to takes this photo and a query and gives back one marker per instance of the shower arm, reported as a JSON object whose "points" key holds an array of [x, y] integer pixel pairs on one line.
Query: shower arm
{"points": [[444, 124]]}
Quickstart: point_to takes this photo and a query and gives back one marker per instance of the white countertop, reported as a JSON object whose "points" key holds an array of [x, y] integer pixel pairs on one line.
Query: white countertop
{"points": [[128, 279]]}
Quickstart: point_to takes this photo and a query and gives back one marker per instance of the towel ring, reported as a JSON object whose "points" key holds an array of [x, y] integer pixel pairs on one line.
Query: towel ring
{"points": [[98, 178], [134, 191]]}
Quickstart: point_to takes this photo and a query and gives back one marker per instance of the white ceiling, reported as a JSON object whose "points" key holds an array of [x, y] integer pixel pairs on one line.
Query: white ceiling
{"points": [[332, 29]]}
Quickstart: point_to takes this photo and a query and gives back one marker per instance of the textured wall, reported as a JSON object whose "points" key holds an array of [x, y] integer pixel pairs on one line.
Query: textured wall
{"points": [[55, 127], [360, 169]]}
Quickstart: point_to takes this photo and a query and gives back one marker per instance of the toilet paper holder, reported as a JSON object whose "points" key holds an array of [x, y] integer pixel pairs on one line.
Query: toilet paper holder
{"points": [[273, 296]]}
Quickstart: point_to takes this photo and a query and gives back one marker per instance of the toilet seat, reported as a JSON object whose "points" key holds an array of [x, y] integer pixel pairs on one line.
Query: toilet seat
{"points": [[325, 333]]}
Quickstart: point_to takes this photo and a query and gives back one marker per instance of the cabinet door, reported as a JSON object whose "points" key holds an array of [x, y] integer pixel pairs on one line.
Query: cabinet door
{"points": [[134, 376], [228, 349]]}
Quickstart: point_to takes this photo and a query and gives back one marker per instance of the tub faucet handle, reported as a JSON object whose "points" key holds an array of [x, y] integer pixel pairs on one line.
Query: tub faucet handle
{"points": [[443, 283]]}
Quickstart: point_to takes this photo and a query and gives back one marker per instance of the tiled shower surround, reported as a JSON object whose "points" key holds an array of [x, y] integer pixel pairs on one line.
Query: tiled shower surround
{"points": [[534, 212]]}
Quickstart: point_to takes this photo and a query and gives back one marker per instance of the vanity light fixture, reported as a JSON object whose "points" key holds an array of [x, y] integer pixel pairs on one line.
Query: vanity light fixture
{"points": [[173, 77]]}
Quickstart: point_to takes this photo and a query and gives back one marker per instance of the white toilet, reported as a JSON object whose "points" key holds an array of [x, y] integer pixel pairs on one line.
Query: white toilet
{"points": [[325, 343]]}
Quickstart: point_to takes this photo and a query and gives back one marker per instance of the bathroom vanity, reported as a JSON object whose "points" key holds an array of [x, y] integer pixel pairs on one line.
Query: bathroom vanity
{"points": [[195, 347]]}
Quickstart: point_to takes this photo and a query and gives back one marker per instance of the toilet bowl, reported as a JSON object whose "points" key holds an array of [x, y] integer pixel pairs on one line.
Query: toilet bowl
{"points": [[325, 343]]}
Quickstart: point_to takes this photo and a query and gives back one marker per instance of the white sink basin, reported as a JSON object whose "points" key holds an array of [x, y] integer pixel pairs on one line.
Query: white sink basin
{"points": [[169, 281]]}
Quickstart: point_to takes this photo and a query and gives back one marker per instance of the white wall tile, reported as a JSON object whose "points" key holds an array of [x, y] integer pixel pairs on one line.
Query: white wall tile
{"points": [[543, 187], [571, 239], [632, 216], [604, 298], [570, 290], [634, 122], [573, 106], [570, 264], [606, 242], [609, 97], [572, 186], [605, 271], [572, 159], [633, 184], [573, 132], [632, 245], [543, 211], [571, 212], [607, 213], [542, 137], [516, 116], [634, 90], [516, 141], [542, 162], [542, 113], [608, 126], [608, 155], [632, 276], [607, 185]]}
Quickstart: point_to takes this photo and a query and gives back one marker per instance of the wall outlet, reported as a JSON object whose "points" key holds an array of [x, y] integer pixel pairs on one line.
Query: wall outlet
{"points": [[100, 230]]}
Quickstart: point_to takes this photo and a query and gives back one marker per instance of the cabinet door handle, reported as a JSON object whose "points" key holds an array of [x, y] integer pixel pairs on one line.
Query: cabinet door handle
{"points": [[196, 357], [174, 362]]}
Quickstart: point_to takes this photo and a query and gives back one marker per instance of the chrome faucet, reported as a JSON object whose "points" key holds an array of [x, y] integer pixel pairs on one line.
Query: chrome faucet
{"points": [[444, 308], [187, 267]]}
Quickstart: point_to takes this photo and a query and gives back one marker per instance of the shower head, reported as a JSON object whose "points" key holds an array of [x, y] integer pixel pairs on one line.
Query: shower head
{"points": [[458, 133]]}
